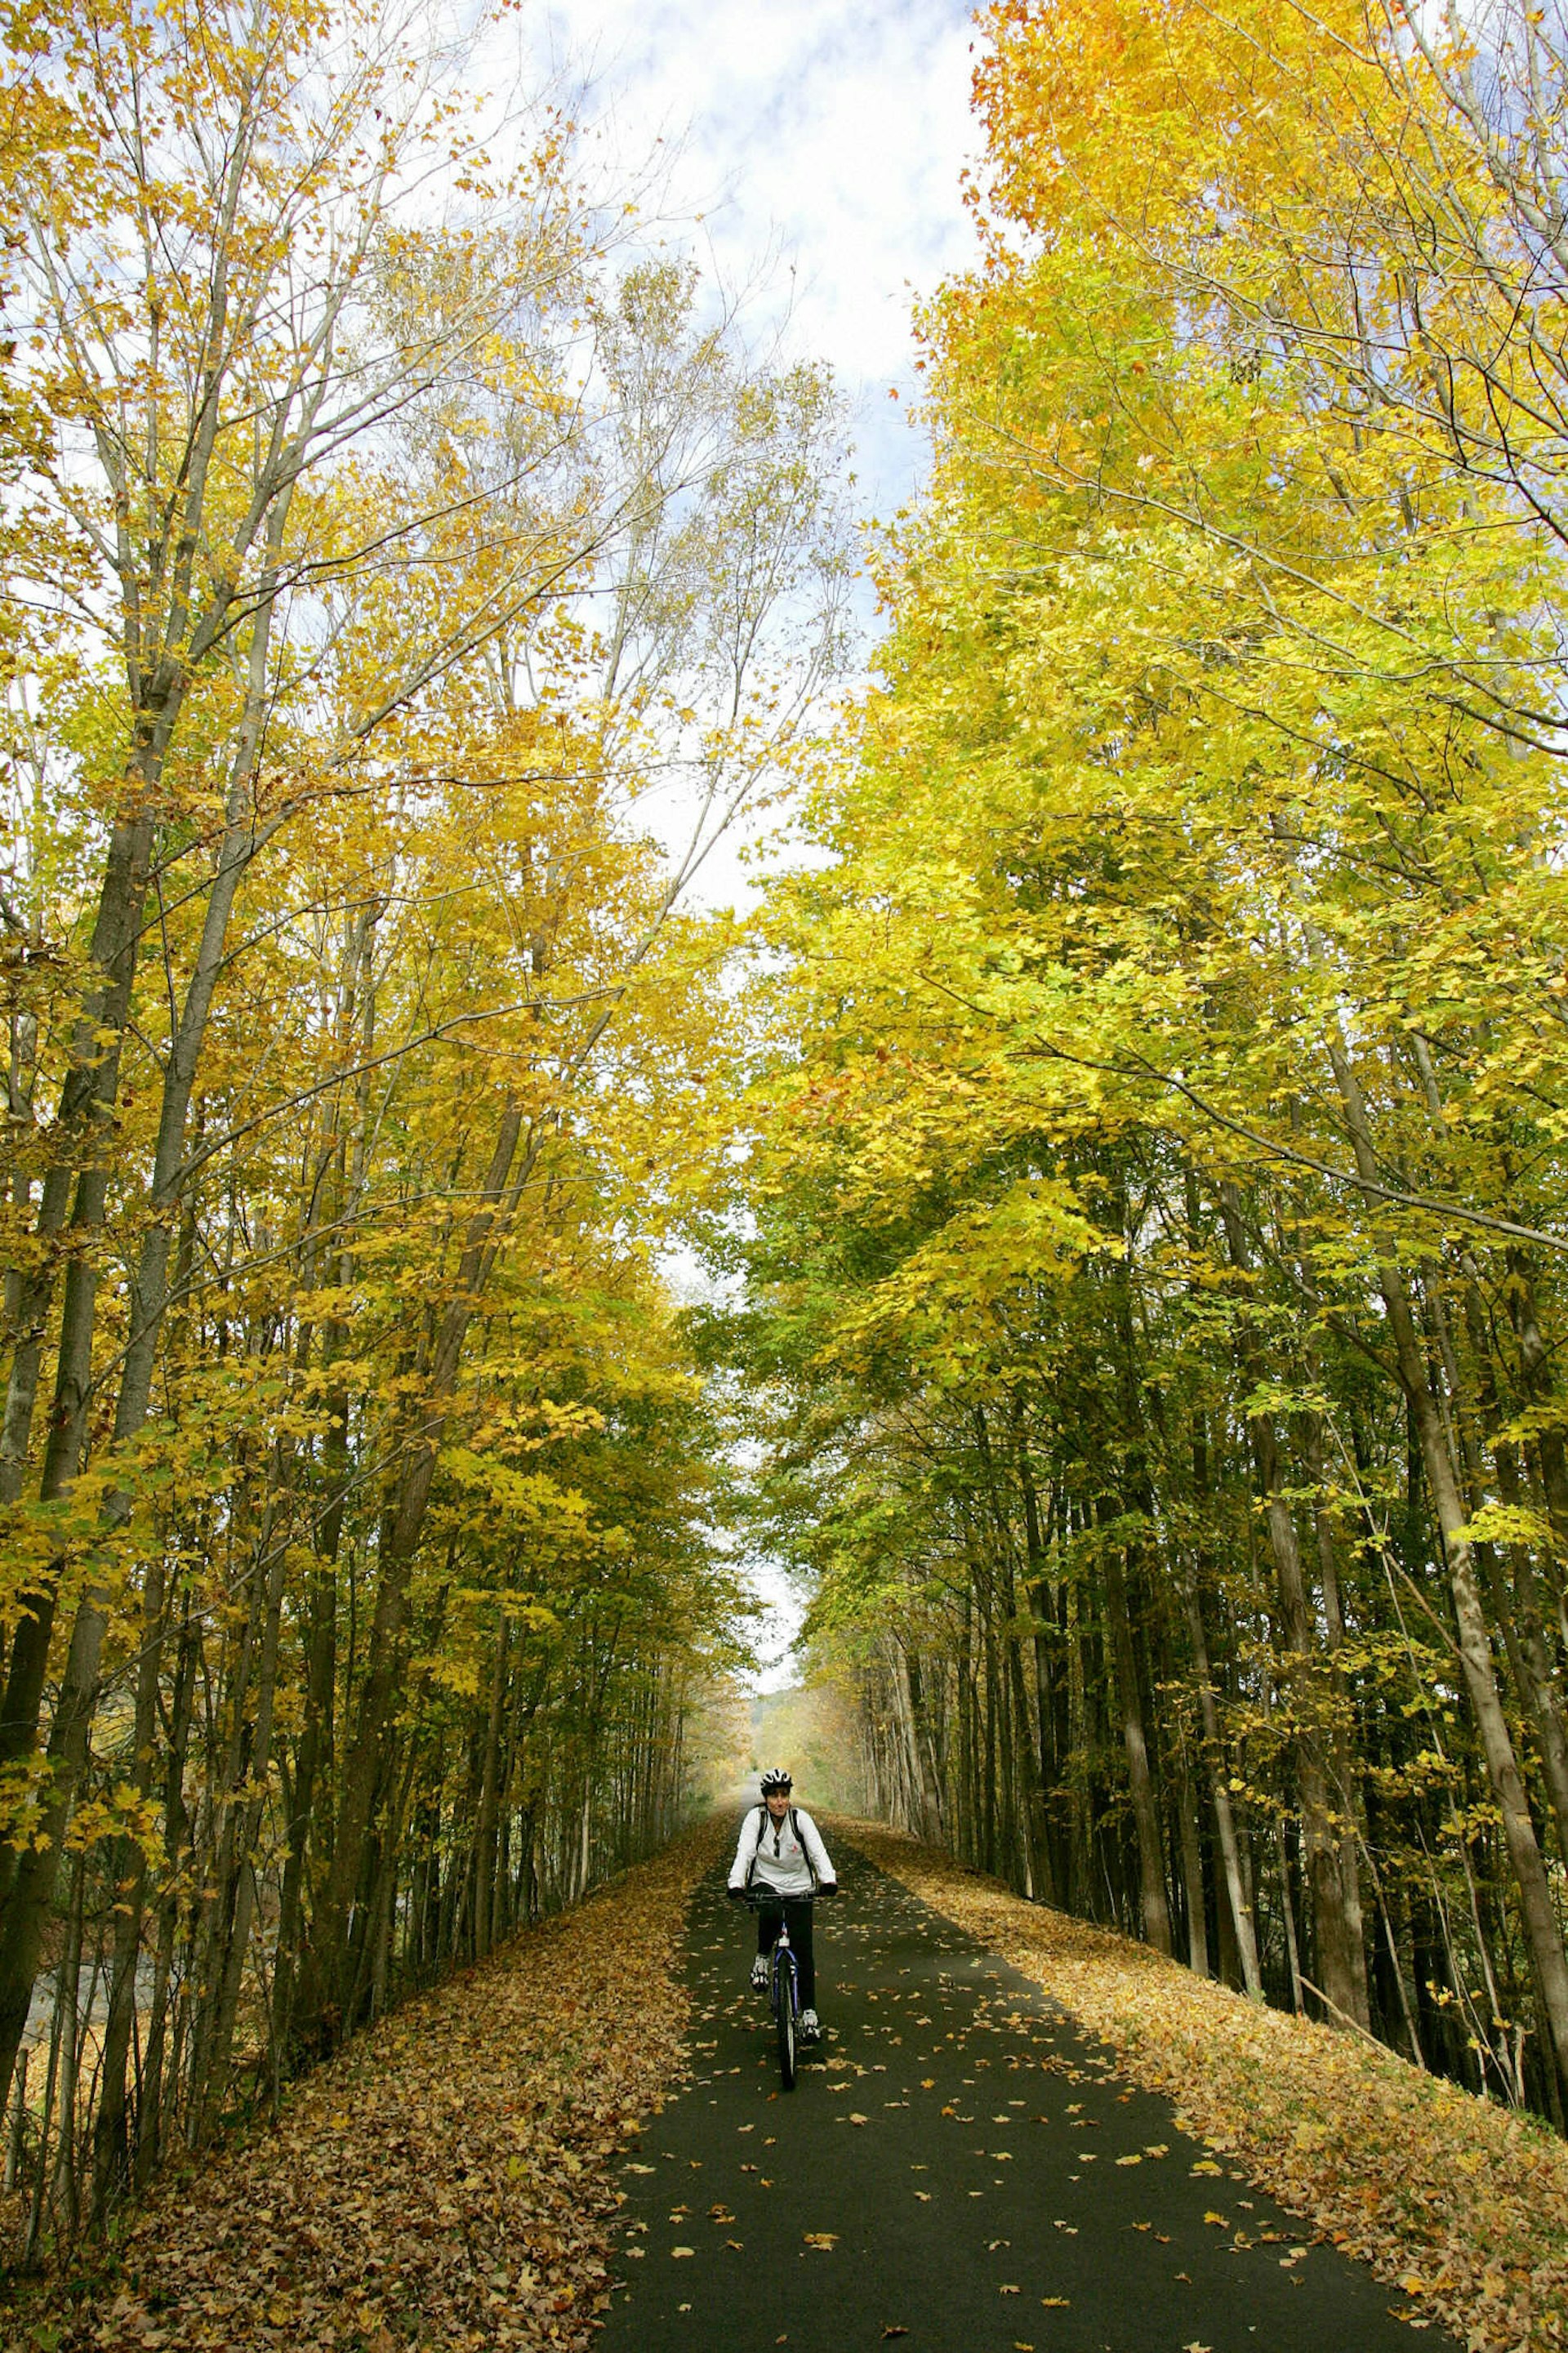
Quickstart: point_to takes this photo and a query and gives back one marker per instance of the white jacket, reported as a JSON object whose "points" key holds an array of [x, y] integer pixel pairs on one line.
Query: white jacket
{"points": [[772, 1854]]}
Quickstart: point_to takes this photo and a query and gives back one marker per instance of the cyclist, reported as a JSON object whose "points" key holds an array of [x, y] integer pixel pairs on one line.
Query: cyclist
{"points": [[781, 1849]]}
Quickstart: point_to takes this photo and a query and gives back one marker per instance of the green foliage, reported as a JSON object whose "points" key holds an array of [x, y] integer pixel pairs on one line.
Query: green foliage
{"points": [[1155, 1233]]}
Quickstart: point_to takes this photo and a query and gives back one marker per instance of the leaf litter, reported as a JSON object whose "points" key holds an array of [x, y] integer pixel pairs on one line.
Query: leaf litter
{"points": [[1460, 2204], [445, 2183]]}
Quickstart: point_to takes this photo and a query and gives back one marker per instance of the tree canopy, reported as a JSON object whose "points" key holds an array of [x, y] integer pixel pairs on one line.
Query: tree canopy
{"points": [[389, 524], [1132, 1136], [1156, 1241]]}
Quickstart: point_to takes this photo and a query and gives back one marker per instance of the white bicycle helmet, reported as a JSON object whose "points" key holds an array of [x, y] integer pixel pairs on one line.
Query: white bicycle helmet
{"points": [[776, 1779]]}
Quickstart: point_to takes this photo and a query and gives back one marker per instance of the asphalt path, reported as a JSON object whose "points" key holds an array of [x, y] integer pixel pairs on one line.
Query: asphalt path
{"points": [[959, 2170]]}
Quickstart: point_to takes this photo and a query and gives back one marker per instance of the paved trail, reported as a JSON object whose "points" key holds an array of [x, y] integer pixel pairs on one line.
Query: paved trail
{"points": [[959, 2171]]}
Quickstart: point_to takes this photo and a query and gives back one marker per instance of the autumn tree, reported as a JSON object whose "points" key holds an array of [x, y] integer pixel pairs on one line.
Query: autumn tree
{"points": [[1161, 1185], [394, 536]]}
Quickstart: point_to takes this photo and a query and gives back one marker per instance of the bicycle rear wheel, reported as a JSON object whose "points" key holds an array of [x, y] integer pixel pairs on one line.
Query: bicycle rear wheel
{"points": [[784, 2013]]}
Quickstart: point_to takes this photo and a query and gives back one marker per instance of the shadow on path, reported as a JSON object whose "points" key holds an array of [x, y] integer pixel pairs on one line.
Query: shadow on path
{"points": [[958, 2170]]}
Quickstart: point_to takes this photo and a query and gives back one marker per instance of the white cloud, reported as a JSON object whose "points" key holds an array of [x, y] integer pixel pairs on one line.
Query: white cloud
{"points": [[822, 144], [832, 132]]}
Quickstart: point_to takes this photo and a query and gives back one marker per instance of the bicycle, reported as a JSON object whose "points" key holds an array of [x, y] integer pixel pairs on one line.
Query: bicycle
{"points": [[783, 1981]]}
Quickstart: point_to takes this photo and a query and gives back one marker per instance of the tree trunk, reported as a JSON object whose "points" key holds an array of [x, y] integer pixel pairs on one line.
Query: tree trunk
{"points": [[1145, 1806], [1536, 1906], [1323, 1862], [1225, 1820]]}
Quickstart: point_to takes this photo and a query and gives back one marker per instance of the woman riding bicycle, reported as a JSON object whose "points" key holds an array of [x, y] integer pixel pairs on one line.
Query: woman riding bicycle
{"points": [[780, 1851]]}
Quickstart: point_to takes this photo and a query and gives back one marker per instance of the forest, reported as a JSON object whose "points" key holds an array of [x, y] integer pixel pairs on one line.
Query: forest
{"points": [[1125, 1141], [384, 531], [1155, 1301]]}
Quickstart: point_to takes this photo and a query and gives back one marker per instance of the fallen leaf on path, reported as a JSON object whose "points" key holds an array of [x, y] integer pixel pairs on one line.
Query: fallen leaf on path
{"points": [[1403, 2170]]}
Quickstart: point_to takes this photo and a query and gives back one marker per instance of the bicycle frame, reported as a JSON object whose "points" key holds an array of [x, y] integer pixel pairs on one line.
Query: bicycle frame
{"points": [[786, 1971], [784, 1980]]}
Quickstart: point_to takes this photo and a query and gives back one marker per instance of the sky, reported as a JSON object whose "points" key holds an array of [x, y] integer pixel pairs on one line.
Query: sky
{"points": [[822, 142], [830, 134]]}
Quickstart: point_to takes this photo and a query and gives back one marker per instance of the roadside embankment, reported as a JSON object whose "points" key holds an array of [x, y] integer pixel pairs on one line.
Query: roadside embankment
{"points": [[444, 2183]]}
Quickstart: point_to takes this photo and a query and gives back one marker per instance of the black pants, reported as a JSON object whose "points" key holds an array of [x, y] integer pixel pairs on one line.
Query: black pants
{"points": [[797, 1910]]}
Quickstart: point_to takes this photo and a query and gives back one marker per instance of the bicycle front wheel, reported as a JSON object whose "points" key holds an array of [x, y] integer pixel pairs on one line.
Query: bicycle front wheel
{"points": [[785, 2013]]}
